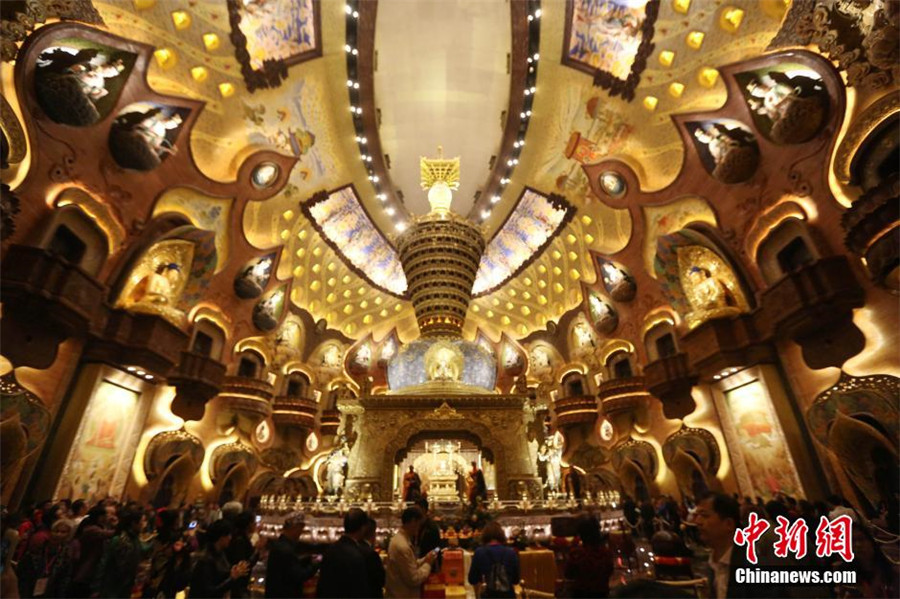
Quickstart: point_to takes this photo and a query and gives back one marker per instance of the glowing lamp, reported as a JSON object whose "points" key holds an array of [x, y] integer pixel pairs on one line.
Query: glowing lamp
{"points": [[707, 77], [666, 58], [730, 18], [181, 19], [676, 89], [199, 74], [210, 41], [165, 58], [681, 6], [694, 39], [650, 103]]}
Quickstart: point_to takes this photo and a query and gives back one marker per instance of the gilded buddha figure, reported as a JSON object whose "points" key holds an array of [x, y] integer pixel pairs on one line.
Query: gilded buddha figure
{"points": [[158, 280], [443, 362], [709, 285], [158, 287]]}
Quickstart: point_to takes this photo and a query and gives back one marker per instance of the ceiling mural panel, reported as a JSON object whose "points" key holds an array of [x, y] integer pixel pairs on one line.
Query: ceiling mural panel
{"points": [[533, 223], [610, 39], [269, 36], [678, 78], [346, 225]]}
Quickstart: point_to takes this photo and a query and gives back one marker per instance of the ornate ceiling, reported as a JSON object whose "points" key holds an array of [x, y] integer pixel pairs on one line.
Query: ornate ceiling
{"points": [[421, 98]]}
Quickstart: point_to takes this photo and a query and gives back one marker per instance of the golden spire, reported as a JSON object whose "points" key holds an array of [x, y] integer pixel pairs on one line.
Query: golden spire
{"points": [[439, 176]]}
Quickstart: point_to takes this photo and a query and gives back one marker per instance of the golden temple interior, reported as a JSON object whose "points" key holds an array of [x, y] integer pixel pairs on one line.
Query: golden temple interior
{"points": [[669, 264]]}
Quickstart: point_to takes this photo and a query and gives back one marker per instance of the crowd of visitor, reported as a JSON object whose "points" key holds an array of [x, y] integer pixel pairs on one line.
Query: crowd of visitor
{"points": [[116, 549]]}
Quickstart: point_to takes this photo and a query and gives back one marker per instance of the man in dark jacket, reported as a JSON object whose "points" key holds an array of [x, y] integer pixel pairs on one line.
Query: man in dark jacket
{"points": [[344, 562], [374, 565], [287, 570]]}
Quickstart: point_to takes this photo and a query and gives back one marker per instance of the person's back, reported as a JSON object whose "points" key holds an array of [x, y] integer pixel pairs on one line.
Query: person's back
{"points": [[286, 570], [495, 564], [405, 574], [343, 571]]}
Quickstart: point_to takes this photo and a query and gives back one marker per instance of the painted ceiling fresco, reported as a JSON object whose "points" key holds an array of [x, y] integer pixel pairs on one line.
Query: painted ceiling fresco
{"points": [[533, 222], [342, 220], [529, 276]]}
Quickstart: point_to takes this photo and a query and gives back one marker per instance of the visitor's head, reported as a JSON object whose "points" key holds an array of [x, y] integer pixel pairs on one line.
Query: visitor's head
{"points": [[422, 502], [232, 509], [411, 469], [62, 531], [775, 509], [835, 500], [79, 508], [411, 519], [717, 517], [355, 522], [167, 519], [244, 523], [369, 531], [218, 535], [131, 521], [588, 528], [112, 516], [293, 526], [493, 532]]}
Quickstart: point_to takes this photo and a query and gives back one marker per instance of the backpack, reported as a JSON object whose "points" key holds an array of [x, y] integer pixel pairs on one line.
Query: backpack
{"points": [[497, 579]]}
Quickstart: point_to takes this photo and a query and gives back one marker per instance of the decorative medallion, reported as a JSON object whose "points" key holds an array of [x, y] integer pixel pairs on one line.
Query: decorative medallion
{"points": [[145, 133], [252, 279]]}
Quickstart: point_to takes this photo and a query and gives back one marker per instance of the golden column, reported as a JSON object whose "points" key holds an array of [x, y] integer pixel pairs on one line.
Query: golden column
{"points": [[440, 253]]}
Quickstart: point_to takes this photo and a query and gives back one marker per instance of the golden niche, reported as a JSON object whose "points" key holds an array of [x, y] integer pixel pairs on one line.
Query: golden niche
{"points": [[443, 362], [158, 280], [709, 285]]}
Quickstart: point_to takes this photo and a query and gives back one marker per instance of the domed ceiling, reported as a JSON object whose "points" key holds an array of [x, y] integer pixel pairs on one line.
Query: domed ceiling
{"points": [[369, 88]]}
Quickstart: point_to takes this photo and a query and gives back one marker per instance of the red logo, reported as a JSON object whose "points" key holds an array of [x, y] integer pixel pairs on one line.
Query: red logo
{"points": [[750, 535], [791, 537], [835, 537]]}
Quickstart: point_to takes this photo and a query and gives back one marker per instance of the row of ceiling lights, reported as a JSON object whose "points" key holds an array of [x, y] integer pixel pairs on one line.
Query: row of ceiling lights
{"points": [[352, 12], [512, 159]]}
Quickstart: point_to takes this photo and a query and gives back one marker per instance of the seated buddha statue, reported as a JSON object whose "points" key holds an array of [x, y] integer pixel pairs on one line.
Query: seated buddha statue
{"points": [[158, 287], [708, 296], [158, 292], [443, 366]]}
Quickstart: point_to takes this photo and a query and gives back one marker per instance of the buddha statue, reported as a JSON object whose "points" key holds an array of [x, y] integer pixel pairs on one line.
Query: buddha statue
{"points": [[443, 363], [708, 297], [159, 286]]}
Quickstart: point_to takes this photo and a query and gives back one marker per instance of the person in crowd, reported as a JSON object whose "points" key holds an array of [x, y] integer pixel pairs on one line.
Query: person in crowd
{"points": [[647, 514], [344, 556], [46, 570], [287, 569], [590, 564], [9, 539], [405, 573], [374, 565], [213, 575], [121, 558], [412, 485], [838, 506], [876, 577], [430, 533], [494, 564], [717, 517], [79, 511], [231, 509], [91, 536], [241, 548], [170, 559]]}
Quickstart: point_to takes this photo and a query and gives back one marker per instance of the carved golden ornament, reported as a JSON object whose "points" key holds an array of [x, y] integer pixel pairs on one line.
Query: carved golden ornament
{"points": [[709, 285], [158, 280], [15, 135], [439, 170], [445, 412], [859, 131]]}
